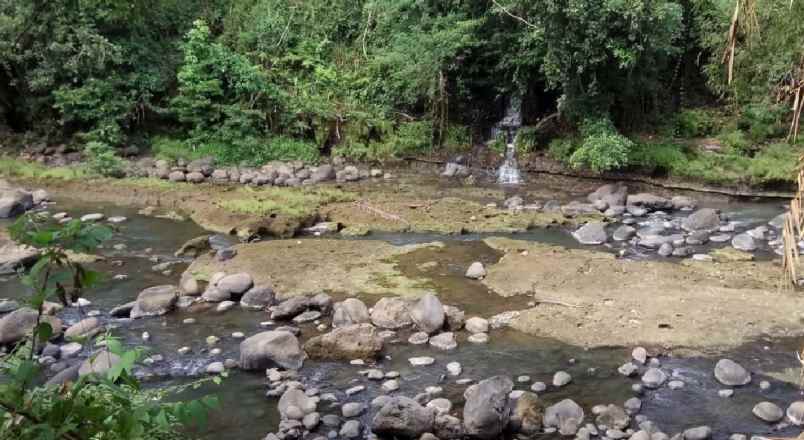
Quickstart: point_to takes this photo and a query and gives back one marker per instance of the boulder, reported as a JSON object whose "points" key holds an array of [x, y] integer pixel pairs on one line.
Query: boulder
{"points": [[194, 247], [189, 286], [350, 311], [213, 294], [403, 418], [21, 322], [258, 297], [86, 328], [613, 194], [477, 325], [649, 201], [768, 412], [683, 202], [591, 233], [527, 415], [705, 219], [795, 413], [654, 378], [623, 233], [322, 174], [271, 348], [744, 242], [454, 317], [155, 301], [697, 433], [448, 427], [359, 341], [236, 284], [99, 363], [444, 341], [565, 415], [486, 411], [290, 308], [731, 373], [391, 313], [613, 417], [428, 314], [123, 310], [476, 271], [14, 202], [296, 398]]}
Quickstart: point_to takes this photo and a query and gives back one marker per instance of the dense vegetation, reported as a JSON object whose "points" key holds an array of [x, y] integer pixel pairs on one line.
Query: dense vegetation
{"points": [[250, 81], [108, 402]]}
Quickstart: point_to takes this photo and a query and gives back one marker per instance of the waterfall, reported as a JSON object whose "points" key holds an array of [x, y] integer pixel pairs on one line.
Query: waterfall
{"points": [[508, 173]]}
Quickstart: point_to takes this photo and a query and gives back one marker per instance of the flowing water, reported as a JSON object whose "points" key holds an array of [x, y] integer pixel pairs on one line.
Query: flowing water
{"points": [[509, 174], [247, 414]]}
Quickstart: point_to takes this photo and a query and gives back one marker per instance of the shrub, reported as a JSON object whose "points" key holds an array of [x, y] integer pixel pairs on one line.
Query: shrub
{"points": [[562, 149], [102, 160], [657, 156], [603, 148], [736, 142], [763, 121], [693, 123]]}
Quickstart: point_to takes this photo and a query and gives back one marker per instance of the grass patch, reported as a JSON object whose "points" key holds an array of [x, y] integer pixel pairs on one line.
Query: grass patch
{"points": [[146, 182], [771, 164], [10, 167], [294, 202]]}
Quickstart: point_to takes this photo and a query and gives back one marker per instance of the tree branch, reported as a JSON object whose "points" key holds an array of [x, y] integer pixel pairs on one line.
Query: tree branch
{"points": [[512, 15]]}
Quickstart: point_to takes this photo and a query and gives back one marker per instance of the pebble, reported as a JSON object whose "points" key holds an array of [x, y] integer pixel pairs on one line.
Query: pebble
{"points": [[633, 405], [350, 429], [352, 409], [216, 368], [478, 338], [184, 350], [419, 338], [768, 411], [92, 217], [523, 379], [224, 306], [454, 369], [116, 219], [215, 352], [355, 390], [675, 384], [653, 378], [421, 361], [146, 336], [188, 321], [725, 393], [561, 378], [212, 340], [538, 387], [764, 385], [238, 335], [628, 369], [390, 385]]}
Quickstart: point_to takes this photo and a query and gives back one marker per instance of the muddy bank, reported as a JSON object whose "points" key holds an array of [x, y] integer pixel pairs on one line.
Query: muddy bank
{"points": [[593, 299]]}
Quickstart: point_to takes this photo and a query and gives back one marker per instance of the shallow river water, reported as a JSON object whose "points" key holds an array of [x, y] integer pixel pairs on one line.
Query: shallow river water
{"points": [[247, 414]]}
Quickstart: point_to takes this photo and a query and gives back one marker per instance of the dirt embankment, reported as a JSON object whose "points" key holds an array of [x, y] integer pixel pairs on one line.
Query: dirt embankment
{"points": [[594, 299]]}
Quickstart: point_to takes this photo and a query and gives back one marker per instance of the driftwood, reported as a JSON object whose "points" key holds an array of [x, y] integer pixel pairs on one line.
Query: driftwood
{"points": [[363, 205]]}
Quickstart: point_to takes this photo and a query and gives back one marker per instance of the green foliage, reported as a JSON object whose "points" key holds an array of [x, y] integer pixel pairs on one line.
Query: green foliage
{"points": [[736, 142], [663, 157], [286, 201], [102, 160], [603, 148], [561, 149], [763, 121], [691, 123], [98, 406]]}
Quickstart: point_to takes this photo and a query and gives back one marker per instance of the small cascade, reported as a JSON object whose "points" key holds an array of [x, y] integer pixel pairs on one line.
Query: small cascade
{"points": [[508, 173]]}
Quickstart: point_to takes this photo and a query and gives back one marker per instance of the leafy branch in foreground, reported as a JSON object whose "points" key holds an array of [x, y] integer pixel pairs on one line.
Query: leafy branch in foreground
{"points": [[107, 402]]}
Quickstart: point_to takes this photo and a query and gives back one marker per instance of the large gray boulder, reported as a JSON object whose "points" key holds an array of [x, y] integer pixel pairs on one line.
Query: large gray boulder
{"points": [[566, 415], [21, 322], [613, 194], [236, 284], [649, 201], [391, 313], [350, 311], [296, 398], [591, 233], [258, 297], [155, 301], [744, 242], [731, 373], [705, 219], [14, 202], [14, 256], [271, 348], [486, 412], [428, 314], [322, 174], [99, 363], [86, 328], [768, 412], [359, 341], [403, 418], [290, 308]]}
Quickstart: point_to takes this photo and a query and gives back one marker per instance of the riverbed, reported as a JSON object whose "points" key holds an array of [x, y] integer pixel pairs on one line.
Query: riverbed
{"points": [[247, 413]]}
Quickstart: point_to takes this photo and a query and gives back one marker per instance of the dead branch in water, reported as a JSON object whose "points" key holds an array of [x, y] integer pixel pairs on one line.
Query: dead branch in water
{"points": [[364, 206]]}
